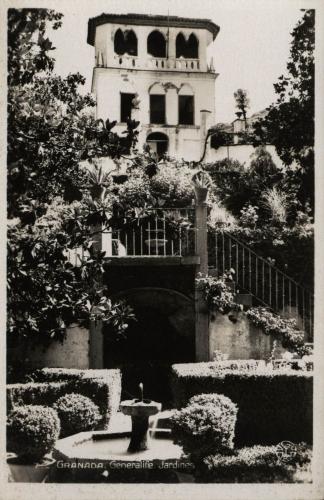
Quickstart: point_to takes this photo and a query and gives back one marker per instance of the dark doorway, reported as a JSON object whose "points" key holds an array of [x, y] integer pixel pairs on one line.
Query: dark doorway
{"points": [[152, 345], [158, 143], [126, 106]]}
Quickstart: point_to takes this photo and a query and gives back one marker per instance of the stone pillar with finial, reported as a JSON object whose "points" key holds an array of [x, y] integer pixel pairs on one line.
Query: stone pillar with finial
{"points": [[201, 183]]}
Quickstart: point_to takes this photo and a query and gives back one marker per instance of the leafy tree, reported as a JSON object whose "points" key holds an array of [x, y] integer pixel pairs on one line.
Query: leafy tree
{"points": [[289, 124], [242, 102], [51, 133], [235, 185]]}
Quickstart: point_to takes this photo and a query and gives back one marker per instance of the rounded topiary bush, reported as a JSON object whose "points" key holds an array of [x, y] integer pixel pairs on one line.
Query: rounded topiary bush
{"points": [[77, 413], [205, 426], [32, 431]]}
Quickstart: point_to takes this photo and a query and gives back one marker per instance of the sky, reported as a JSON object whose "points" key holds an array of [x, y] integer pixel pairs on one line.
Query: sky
{"points": [[250, 51]]}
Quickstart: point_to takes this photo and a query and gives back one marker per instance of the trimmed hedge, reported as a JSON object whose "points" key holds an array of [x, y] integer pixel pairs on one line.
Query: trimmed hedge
{"points": [[205, 426], [33, 393], [273, 405], [77, 413], [103, 387], [258, 464], [32, 431]]}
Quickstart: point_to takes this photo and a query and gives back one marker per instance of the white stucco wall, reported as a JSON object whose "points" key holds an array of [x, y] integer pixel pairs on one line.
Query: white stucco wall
{"points": [[240, 152], [73, 353], [184, 140], [115, 74]]}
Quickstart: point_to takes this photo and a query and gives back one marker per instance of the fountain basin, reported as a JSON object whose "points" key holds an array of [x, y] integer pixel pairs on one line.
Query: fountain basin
{"points": [[138, 408], [101, 452]]}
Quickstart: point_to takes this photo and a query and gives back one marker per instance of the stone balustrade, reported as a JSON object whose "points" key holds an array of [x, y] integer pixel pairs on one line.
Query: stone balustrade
{"points": [[154, 63]]}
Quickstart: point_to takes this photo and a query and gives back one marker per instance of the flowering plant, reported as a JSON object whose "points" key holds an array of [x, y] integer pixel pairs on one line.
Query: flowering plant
{"points": [[218, 292], [273, 324]]}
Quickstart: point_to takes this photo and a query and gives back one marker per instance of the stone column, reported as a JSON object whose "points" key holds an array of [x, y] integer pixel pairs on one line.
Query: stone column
{"points": [[204, 123], [142, 33], [172, 48], [202, 50], [171, 106], [96, 345], [202, 316], [109, 53]]}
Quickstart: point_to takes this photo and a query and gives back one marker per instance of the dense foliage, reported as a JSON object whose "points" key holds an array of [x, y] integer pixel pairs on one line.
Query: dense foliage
{"points": [[284, 462], [77, 413], [289, 124], [51, 133], [32, 432], [285, 329], [205, 426]]}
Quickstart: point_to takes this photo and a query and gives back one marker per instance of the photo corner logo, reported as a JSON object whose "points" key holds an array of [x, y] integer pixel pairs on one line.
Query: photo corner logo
{"points": [[286, 450]]}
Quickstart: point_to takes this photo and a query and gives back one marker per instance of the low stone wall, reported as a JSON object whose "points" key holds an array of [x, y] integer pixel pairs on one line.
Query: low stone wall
{"points": [[239, 339], [72, 353]]}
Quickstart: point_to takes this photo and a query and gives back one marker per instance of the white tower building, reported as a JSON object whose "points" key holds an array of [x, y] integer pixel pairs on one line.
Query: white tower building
{"points": [[154, 69]]}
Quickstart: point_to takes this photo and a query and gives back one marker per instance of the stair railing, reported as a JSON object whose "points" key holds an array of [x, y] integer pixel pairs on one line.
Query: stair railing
{"points": [[260, 278]]}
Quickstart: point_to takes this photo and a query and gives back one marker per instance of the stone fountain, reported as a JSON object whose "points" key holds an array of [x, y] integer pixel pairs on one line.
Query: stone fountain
{"points": [[138, 451], [139, 410]]}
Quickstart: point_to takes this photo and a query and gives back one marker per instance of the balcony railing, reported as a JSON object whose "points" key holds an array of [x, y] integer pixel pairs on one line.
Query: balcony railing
{"points": [[164, 232], [161, 232], [171, 63], [126, 61], [154, 63]]}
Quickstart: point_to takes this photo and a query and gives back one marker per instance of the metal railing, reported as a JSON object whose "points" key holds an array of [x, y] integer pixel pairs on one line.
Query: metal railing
{"points": [[168, 232], [259, 277], [162, 232]]}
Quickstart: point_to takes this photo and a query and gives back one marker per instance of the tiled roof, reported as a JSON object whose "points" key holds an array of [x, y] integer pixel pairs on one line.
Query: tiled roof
{"points": [[149, 20]]}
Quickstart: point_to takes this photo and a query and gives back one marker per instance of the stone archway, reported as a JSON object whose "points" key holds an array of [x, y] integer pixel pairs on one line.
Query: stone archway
{"points": [[163, 334]]}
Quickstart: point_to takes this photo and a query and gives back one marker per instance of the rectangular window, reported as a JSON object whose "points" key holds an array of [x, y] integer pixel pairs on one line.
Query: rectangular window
{"points": [[157, 108], [126, 106], [186, 110]]}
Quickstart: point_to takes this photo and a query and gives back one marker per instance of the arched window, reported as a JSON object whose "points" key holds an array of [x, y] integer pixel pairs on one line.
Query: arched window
{"points": [[158, 143], [192, 47], [187, 48], [125, 42], [130, 42], [180, 45], [119, 44], [156, 44]]}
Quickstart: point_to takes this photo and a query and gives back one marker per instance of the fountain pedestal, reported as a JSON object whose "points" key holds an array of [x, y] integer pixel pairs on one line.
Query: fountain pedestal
{"points": [[139, 411]]}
